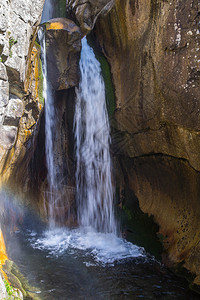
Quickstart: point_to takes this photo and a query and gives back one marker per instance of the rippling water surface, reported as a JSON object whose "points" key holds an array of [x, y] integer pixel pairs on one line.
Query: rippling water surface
{"points": [[65, 264]]}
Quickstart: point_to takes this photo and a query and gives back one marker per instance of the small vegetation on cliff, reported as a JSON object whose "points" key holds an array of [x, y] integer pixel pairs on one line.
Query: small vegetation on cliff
{"points": [[10, 291], [12, 42]]}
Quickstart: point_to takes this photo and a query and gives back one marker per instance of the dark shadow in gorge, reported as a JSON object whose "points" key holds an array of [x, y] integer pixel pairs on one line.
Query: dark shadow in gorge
{"points": [[63, 144], [29, 176]]}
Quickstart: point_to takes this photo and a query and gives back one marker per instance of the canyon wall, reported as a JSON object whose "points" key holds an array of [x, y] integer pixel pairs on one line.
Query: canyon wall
{"points": [[20, 95], [152, 47], [153, 51]]}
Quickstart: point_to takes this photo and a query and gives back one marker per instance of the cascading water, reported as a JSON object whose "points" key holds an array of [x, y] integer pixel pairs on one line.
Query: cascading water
{"points": [[92, 134], [48, 10], [50, 122], [93, 174]]}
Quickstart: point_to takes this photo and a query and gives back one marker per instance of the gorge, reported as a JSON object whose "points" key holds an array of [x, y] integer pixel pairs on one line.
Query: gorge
{"points": [[99, 149]]}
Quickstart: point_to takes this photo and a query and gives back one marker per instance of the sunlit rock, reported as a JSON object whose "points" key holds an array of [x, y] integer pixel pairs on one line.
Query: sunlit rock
{"points": [[18, 29], [13, 112], [3, 73], [3, 254]]}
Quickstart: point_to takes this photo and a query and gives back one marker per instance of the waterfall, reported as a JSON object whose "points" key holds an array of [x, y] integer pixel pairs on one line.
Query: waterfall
{"points": [[92, 134], [48, 9], [50, 126]]}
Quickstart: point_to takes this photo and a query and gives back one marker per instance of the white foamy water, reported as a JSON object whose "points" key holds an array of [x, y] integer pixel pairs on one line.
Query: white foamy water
{"points": [[92, 134], [99, 248]]}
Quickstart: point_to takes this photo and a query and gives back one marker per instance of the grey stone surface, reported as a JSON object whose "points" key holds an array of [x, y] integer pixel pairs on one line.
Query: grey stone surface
{"points": [[3, 293], [7, 136], [18, 24], [4, 93], [13, 111], [3, 73]]}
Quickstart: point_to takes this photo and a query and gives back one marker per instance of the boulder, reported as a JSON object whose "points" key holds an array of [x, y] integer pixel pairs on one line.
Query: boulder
{"points": [[63, 46]]}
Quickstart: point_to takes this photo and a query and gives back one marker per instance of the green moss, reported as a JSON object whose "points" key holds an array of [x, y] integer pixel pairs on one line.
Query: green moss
{"points": [[40, 88], [3, 58], [18, 281], [106, 73], [37, 44], [41, 98], [10, 291], [139, 228], [12, 42]]}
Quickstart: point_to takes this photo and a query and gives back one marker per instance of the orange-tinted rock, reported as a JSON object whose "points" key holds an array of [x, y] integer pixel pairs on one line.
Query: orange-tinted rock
{"points": [[34, 78], [3, 254], [30, 114], [63, 46]]}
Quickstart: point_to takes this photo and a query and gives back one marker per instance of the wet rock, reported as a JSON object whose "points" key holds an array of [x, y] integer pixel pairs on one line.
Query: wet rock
{"points": [[63, 46], [153, 51], [85, 13]]}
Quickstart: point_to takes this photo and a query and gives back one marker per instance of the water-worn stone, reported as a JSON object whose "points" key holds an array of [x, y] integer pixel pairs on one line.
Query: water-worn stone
{"points": [[63, 46], [85, 13], [153, 51]]}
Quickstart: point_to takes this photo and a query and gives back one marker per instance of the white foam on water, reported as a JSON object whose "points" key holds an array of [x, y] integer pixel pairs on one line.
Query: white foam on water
{"points": [[100, 248]]}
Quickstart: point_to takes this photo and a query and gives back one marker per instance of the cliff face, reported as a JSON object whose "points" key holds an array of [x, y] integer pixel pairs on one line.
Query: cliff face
{"points": [[153, 51], [19, 98]]}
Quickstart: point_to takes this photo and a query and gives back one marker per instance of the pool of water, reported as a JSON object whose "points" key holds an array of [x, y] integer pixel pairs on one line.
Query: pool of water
{"points": [[82, 264]]}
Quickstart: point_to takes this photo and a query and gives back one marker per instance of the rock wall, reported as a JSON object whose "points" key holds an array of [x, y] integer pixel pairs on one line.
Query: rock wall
{"points": [[19, 109], [153, 51]]}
